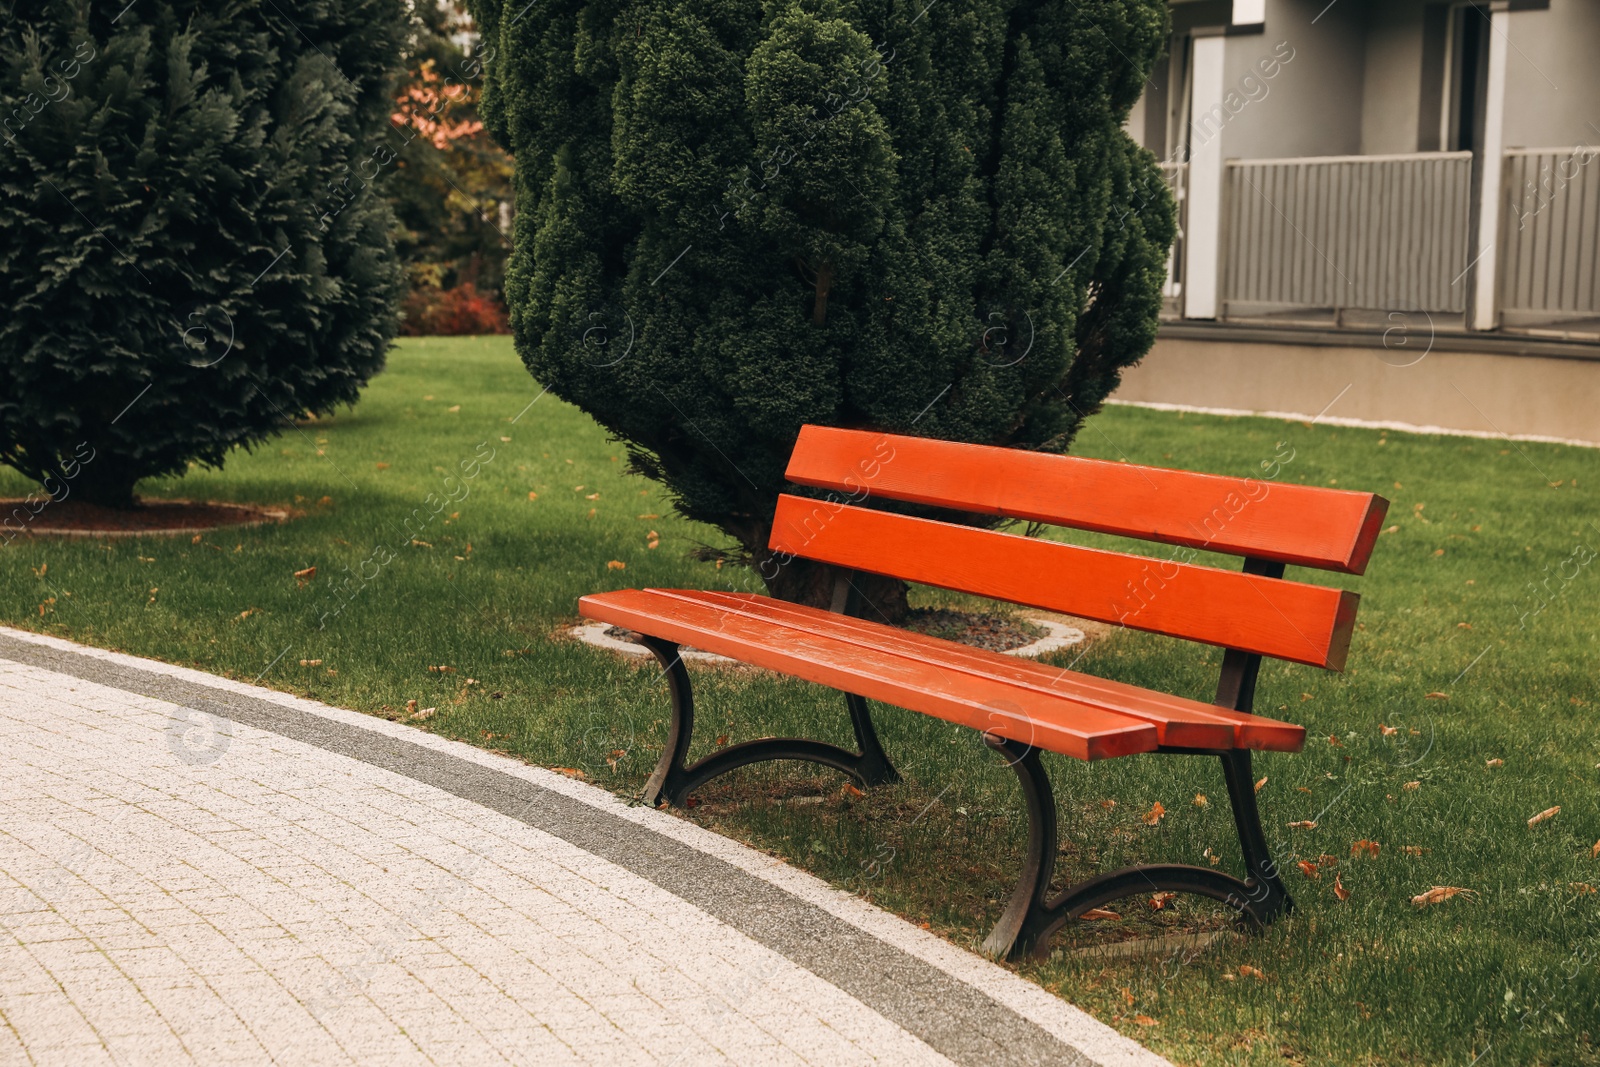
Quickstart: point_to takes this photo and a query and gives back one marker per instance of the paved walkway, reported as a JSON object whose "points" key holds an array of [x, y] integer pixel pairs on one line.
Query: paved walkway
{"points": [[196, 870]]}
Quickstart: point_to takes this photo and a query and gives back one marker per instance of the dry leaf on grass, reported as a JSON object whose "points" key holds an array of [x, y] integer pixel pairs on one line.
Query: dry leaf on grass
{"points": [[1414, 850], [1161, 900], [1438, 894], [1387, 731], [441, 669], [1303, 824], [1335, 742], [616, 565], [1108, 804], [1247, 971], [1547, 813], [1101, 913], [1145, 1020], [1154, 815], [1596, 853], [532, 495], [1339, 890], [1260, 784], [1411, 787], [1493, 763], [570, 772], [311, 663], [1582, 887], [1309, 869], [1200, 801], [424, 714], [1369, 847], [1438, 696]]}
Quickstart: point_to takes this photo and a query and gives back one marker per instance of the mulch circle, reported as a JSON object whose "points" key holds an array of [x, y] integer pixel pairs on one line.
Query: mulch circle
{"points": [[74, 518]]}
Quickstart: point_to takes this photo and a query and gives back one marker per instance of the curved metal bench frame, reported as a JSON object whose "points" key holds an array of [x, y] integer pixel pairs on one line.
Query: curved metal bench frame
{"points": [[1033, 914]]}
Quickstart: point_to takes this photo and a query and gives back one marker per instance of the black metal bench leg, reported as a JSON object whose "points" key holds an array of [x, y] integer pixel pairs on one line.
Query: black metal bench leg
{"points": [[1265, 889], [1028, 919], [874, 766], [1032, 915], [666, 782], [672, 779]]}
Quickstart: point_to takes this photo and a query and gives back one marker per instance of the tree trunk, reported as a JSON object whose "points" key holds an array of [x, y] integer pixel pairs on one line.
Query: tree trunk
{"points": [[805, 581], [106, 483]]}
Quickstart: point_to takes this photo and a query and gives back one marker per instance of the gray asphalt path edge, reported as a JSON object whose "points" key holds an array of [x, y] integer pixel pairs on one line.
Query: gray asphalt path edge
{"points": [[962, 1006]]}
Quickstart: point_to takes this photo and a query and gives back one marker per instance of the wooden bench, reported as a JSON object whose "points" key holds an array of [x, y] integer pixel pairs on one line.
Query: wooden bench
{"points": [[1024, 707]]}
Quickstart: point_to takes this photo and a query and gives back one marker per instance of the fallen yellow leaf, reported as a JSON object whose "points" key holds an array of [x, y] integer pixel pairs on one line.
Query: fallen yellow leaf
{"points": [[1154, 815], [1411, 787], [1161, 900], [1493, 763], [1583, 887], [1339, 890], [616, 565], [1414, 850], [1303, 824], [1369, 847], [1145, 1020], [1247, 971], [570, 772], [1438, 696], [1309, 869], [1108, 804], [311, 663], [532, 495], [1200, 801], [1387, 731], [1260, 784], [1101, 913], [1438, 894], [1596, 853], [307, 574], [1547, 813]]}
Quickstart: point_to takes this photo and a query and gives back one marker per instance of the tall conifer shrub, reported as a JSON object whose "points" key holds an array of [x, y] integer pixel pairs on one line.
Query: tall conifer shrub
{"points": [[190, 253], [740, 216]]}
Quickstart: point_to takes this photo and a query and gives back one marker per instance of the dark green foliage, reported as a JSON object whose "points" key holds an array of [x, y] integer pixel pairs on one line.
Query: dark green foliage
{"points": [[184, 226], [902, 215]]}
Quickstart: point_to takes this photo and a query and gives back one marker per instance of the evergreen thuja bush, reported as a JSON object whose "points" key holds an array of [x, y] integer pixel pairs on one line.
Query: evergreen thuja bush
{"points": [[740, 216], [190, 256]]}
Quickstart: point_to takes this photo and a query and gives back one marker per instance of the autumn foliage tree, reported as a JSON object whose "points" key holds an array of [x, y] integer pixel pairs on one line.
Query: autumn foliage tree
{"points": [[451, 183], [740, 216]]}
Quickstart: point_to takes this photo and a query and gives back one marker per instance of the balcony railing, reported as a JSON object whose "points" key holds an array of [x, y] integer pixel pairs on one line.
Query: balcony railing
{"points": [[1335, 233], [1550, 237]]}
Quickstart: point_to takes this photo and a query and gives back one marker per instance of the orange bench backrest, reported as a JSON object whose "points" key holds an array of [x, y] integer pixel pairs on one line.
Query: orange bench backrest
{"points": [[1327, 528]]}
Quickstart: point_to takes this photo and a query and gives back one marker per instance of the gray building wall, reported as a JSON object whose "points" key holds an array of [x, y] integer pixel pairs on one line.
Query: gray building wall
{"points": [[1553, 76], [1390, 98], [1313, 106]]}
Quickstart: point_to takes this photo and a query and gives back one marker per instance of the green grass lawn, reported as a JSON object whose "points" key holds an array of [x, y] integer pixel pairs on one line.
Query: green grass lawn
{"points": [[1482, 593]]}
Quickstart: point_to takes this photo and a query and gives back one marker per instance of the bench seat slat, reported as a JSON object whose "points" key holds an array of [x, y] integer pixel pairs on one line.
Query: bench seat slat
{"points": [[1179, 722], [1056, 724], [1268, 616], [1312, 526]]}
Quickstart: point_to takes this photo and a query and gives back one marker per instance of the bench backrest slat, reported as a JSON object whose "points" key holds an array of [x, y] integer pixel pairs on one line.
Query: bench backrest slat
{"points": [[1272, 617], [1306, 525]]}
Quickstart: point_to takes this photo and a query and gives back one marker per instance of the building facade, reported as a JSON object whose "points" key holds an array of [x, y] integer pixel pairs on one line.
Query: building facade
{"points": [[1339, 161]]}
